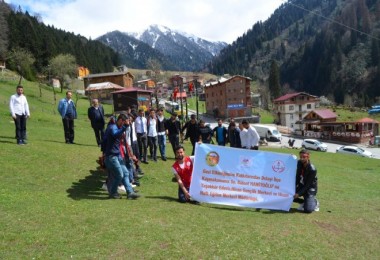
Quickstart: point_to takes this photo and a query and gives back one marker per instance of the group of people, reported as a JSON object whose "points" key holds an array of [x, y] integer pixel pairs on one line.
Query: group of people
{"points": [[125, 142], [241, 135], [306, 180]]}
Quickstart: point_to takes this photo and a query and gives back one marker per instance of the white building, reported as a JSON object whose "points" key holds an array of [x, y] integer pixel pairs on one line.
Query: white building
{"points": [[291, 108]]}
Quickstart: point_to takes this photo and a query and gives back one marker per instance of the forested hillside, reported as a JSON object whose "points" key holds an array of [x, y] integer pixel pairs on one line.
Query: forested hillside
{"points": [[329, 47], [19, 30]]}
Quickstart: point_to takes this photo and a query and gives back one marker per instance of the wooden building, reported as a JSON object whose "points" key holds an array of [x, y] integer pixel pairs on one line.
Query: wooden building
{"points": [[102, 91], [229, 97], [121, 78], [129, 97], [322, 124]]}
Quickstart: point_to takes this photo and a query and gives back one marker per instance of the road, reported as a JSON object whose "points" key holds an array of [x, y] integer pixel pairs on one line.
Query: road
{"points": [[331, 147]]}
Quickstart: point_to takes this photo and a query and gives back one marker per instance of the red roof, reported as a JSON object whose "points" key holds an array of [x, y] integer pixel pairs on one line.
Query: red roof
{"points": [[367, 120], [289, 96], [133, 90], [325, 113]]}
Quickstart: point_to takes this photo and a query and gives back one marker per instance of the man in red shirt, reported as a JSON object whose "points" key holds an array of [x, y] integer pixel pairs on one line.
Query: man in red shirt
{"points": [[183, 169]]}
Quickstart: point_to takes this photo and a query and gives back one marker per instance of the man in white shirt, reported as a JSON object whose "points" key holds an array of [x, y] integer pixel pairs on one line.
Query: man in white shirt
{"points": [[152, 134], [243, 136], [141, 132], [19, 108], [252, 136]]}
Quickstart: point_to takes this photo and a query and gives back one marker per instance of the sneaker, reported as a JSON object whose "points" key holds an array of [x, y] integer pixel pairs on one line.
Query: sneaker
{"points": [[163, 158], [115, 196], [300, 208], [19, 142], [133, 185], [133, 196], [317, 207], [121, 189], [24, 142]]}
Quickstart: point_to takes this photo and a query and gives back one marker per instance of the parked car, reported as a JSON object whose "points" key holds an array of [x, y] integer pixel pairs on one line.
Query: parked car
{"points": [[314, 144], [349, 149]]}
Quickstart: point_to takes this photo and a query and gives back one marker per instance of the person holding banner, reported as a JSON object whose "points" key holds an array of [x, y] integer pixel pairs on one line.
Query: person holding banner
{"points": [[306, 183], [183, 169]]}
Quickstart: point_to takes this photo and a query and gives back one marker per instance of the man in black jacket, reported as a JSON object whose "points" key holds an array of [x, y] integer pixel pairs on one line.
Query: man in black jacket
{"points": [[174, 129], [191, 127], [96, 115], [306, 183]]}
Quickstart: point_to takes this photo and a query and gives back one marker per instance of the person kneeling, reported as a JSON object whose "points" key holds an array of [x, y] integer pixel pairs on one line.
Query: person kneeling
{"points": [[183, 169], [306, 183]]}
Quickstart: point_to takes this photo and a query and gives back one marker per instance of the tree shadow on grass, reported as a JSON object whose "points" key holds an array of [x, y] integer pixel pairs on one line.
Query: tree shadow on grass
{"points": [[90, 187]]}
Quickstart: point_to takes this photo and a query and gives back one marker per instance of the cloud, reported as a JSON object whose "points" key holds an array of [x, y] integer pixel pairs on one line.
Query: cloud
{"points": [[215, 20]]}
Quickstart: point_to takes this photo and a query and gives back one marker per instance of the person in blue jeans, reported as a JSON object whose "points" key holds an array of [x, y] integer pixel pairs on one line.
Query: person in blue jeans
{"points": [[114, 160], [161, 133], [306, 183]]}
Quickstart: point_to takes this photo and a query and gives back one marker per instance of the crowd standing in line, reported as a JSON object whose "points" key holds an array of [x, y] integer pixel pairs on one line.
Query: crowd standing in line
{"points": [[19, 108], [126, 139]]}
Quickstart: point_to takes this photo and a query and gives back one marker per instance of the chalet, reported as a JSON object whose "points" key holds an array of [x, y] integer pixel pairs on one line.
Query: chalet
{"points": [[229, 97], [130, 97], [146, 84], [292, 108], [121, 78], [102, 91]]}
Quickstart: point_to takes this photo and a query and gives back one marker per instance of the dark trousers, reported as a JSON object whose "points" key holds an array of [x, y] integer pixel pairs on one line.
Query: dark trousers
{"points": [[68, 128], [152, 140], [193, 141], [99, 133], [174, 141], [142, 141], [20, 123]]}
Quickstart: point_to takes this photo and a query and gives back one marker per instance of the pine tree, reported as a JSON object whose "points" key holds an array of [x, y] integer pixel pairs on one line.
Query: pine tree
{"points": [[274, 80]]}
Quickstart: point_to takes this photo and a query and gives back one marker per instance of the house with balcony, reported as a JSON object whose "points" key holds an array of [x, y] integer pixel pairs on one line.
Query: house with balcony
{"points": [[229, 97], [292, 108]]}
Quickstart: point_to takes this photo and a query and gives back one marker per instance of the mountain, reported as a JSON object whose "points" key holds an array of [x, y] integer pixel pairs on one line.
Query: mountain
{"points": [[329, 48], [183, 51], [135, 53]]}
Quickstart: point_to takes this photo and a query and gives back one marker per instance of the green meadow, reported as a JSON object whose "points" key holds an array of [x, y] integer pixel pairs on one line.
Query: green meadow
{"points": [[52, 205]]}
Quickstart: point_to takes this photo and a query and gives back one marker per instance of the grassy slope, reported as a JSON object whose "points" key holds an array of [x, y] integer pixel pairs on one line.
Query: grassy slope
{"points": [[51, 204]]}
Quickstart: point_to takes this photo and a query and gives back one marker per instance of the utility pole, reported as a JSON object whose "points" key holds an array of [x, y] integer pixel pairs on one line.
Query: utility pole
{"points": [[196, 94]]}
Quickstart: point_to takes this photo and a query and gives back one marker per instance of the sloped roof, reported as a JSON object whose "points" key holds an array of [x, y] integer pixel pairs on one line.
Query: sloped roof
{"points": [[126, 90], [325, 113], [102, 86], [289, 96], [222, 80], [117, 73], [367, 120]]}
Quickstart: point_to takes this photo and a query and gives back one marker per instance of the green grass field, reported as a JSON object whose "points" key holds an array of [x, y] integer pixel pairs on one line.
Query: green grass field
{"points": [[52, 205]]}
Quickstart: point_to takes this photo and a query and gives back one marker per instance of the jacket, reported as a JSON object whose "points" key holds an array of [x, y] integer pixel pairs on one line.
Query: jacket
{"points": [[62, 108]]}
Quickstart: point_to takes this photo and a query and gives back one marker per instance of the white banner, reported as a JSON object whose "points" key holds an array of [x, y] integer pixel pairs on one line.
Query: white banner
{"points": [[243, 178]]}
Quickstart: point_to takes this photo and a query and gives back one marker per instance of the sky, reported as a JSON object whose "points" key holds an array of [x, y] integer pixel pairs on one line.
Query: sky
{"points": [[213, 20]]}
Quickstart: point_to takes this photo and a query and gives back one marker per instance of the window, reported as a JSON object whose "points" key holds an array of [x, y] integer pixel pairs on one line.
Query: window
{"points": [[291, 117], [308, 106], [291, 108]]}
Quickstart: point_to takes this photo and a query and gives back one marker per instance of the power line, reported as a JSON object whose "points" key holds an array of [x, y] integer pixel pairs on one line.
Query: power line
{"points": [[332, 20]]}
